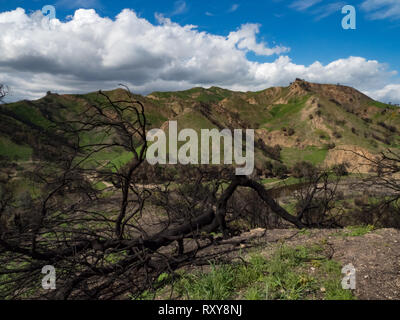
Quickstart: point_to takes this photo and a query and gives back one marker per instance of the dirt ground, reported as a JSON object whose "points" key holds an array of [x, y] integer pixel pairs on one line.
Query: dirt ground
{"points": [[375, 255]]}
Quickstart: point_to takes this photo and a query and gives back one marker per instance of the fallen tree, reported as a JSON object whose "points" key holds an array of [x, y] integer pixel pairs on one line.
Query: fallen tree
{"points": [[88, 216]]}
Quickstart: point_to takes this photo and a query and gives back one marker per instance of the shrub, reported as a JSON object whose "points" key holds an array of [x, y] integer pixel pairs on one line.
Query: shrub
{"points": [[387, 127], [337, 135], [268, 166], [303, 169], [340, 169], [272, 152], [383, 140], [330, 146], [279, 170]]}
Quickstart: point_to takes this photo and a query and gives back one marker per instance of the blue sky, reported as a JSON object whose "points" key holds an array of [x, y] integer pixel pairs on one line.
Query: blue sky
{"points": [[274, 36]]}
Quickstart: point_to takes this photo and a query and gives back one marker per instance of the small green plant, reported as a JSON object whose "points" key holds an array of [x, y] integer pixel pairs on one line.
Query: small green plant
{"points": [[334, 291], [305, 232], [163, 277], [285, 275], [218, 284], [356, 231]]}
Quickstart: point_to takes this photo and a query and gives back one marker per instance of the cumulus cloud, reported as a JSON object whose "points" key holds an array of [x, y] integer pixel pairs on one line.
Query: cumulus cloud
{"points": [[245, 38], [89, 52], [390, 93]]}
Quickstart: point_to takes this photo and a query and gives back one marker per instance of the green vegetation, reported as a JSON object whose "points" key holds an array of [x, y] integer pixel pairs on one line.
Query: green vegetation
{"points": [[289, 274], [213, 94], [29, 114], [201, 108], [323, 135], [356, 231], [311, 154], [282, 111], [286, 115], [14, 151]]}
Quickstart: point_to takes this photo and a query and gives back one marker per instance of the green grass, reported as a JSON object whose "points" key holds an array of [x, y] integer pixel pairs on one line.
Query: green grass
{"points": [[322, 134], [14, 151], [155, 120], [311, 154], [316, 155], [284, 276], [290, 207], [381, 105], [211, 95], [123, 159], [29, 114], [282, 111], [356, 231], [7, 280]]}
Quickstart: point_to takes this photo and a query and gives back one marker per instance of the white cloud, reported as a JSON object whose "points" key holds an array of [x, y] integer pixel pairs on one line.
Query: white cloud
{"points": [[317, 8], [382, 9], [180, 8], [304, 4], [234, 7], [329, 9], [390, 93], [245, 38], [89, 52], [355, 71]]}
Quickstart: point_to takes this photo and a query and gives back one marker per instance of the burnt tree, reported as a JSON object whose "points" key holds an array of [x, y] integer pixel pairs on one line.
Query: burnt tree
{"points": [[90, 218]]}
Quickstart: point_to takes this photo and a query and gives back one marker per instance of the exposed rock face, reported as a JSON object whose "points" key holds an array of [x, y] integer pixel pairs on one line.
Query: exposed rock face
{"points": [[353, 156]]}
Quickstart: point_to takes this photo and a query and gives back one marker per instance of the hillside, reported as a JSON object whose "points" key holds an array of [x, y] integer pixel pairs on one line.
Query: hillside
{"points": [[312, 122]]}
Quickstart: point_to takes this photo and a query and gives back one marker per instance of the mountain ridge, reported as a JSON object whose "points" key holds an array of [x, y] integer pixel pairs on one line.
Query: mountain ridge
{"points": [[303, 121]]}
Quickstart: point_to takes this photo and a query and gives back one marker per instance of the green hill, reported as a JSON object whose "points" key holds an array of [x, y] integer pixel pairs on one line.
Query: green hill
{"points": [[308, 121]]}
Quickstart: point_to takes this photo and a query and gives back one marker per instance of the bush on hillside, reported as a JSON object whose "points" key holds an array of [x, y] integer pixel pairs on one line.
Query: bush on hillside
{"points": [[340, 170], [303, 169], [279, 170]]}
